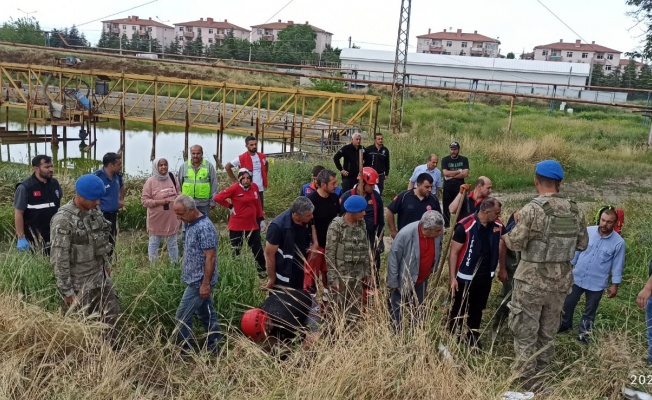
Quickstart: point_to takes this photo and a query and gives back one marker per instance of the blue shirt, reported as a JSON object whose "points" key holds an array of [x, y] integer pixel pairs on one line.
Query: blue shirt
{"points": [[109, 202], [604, 255], [437, 182], [200, 236]]}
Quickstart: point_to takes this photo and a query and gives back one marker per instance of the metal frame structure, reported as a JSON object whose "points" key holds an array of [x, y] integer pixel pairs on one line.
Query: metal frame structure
{"points": [[399, 77], [183, 102]]}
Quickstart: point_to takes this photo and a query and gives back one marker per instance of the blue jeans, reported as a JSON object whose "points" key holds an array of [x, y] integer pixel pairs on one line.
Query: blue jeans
{"points": [[590, 309], [409, 302], [155, 243], [648, 320], [190, 305]]}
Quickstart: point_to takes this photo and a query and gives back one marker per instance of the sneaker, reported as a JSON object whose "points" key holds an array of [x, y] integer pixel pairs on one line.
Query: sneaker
{"points": [[583, 338]]}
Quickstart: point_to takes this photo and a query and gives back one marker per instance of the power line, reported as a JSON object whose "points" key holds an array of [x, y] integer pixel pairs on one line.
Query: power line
{"points": [[120, 12]]}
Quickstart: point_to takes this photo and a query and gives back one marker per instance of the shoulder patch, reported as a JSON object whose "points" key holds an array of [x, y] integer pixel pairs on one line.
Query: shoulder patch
{"points": [[64, 231]]}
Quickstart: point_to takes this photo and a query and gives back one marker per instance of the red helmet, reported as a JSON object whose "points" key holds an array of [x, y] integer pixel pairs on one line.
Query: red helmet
{"points": [[253, 324], [369, 175]]}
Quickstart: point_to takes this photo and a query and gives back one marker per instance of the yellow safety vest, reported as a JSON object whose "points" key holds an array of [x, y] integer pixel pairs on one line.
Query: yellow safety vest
{"points": [[197, 185]]}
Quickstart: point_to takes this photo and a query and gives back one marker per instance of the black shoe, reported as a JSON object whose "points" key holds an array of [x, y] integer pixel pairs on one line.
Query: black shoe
{"points": [[563, 329], [583, 338]]}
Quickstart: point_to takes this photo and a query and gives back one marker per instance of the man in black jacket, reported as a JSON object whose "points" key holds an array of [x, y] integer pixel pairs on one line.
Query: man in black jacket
{"points": [[36, 200], [352, 166], [376, 156]]}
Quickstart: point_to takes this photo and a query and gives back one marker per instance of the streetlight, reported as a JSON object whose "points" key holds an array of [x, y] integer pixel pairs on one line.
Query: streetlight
{"points": [[27, 13]]}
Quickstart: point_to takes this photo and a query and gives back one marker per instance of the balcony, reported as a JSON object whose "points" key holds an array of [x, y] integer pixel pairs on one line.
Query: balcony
{"points": [[115, 31], [600, 61], [267, 37], [189, 35], [477, 51], [143, 32], [554, 58], [435, 49], [220, 36]]}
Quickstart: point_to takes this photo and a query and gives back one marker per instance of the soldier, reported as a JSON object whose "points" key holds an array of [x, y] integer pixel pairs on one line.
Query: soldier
{"points": [[347, 251], [80, 253], [548, 231]]}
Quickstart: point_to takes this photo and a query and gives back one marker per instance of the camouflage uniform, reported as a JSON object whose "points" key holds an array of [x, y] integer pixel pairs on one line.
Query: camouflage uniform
{"points": [[347, 256], [549, 230], [79, 255]]}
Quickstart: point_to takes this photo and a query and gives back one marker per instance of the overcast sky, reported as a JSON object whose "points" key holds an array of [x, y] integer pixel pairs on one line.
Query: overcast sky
{"points": [[372, 24]]}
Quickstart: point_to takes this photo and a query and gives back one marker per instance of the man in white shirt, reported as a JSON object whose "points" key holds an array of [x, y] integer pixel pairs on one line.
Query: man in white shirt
{"points": [[254, 161], [430, 168]]}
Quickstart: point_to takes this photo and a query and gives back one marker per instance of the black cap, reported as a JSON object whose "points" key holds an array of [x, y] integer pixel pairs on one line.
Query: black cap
{"points": [[454, 144]]}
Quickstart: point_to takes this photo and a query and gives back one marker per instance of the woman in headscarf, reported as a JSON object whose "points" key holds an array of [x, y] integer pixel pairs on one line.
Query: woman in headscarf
{"points": [[159, 192], [246, 218]]}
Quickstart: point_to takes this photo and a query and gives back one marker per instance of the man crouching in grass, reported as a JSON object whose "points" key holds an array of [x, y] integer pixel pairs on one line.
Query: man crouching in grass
{"points": [[199, 273]]}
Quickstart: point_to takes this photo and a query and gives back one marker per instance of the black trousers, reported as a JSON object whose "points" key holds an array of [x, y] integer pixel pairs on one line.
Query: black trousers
{"points": [[451, 189], [381, 183], [469, 300], [254, 242], [112, 217], [348, 182], [262, 199]]}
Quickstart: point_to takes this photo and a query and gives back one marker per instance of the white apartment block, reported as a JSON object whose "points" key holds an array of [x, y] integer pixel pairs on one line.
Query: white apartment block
{"points": [[458, 44], [579, 52], [211, 31], [270, 32], [146, 28]]}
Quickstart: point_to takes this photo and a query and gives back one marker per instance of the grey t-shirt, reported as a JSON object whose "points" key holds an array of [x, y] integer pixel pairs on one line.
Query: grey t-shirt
{"points": [[20, 198]]}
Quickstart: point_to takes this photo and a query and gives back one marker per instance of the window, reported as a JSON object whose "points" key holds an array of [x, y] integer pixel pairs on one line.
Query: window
{"points": [[464, 44], [600, 56], [449, 43], [133, 27], [585, 55], [259, 31], [198, 30], [210, 40], [610, 56], [569, 54], [544, 52], [181, 29], [188, 28], [108, 26], [607, 67], [124, 27], [149, 29], [210, 31]]}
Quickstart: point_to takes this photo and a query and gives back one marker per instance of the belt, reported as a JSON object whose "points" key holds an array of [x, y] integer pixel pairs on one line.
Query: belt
{"points": [[109, 212]]}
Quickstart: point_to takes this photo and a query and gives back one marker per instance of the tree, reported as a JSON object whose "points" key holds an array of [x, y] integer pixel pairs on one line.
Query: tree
{"points": [[22, 30], [194, 47], [629, 76], [510, 56], [294, 44], [643, 15], [645, 78], [174, 47], [597, 76]]}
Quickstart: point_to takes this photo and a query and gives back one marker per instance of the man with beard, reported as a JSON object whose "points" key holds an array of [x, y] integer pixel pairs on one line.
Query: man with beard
{"points": [[37, 199], [254, 161], [454, 168]]}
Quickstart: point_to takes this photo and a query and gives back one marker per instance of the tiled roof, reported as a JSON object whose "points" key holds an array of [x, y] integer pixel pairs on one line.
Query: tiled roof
{"points": [[625, 62], [577, 47], [210, 23], [279, 26], [470, 37], [134, 20]]}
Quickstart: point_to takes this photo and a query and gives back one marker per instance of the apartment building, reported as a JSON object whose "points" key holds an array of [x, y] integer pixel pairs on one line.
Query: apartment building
{"points": [[624, 62], [146, 28], [458, 44], [579, 52], [211, 31], [270, 32]]}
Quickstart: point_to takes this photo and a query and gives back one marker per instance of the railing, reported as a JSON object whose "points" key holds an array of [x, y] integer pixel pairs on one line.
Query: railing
{"points": [[220, 36], [554, 58], [189, 34]]}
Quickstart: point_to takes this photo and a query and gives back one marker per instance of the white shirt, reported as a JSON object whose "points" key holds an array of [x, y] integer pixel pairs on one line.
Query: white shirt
{"points": [[258, 175]]}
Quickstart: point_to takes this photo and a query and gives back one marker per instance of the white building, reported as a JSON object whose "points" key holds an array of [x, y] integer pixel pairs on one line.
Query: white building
{"points": [[578, 52], [146, 28], [211, 31], [458, 44], [270, 32], [478, 73]]}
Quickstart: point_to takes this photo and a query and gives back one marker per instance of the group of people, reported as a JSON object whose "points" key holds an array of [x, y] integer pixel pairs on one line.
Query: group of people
{"points": [[321, 257]]}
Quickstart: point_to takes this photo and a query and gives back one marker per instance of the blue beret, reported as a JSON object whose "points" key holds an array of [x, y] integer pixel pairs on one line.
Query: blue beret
{"points": [[355, 204], [90, 187], [550, 169]]}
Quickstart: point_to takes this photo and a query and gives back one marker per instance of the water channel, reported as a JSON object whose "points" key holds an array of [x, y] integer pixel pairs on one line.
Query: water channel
{"points": [[138, 146]]}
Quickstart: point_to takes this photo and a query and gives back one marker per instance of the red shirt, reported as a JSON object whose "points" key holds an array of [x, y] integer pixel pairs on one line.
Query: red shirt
{"points": [[246, 204], [427, 256]]}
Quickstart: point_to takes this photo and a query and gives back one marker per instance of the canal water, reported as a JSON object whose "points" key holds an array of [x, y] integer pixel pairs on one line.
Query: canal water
{"points": [[138, 146]]}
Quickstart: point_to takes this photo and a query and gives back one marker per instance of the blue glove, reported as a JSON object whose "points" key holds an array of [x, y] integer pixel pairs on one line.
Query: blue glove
{"points": [[22, 244]]}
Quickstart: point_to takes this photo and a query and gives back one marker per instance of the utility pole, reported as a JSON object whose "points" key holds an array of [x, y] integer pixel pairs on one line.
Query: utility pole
{"points": [[399, 77]]}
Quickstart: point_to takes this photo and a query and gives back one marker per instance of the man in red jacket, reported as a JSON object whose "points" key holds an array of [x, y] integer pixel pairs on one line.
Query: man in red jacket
{"points": [[246, 218], [255, 162]]}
